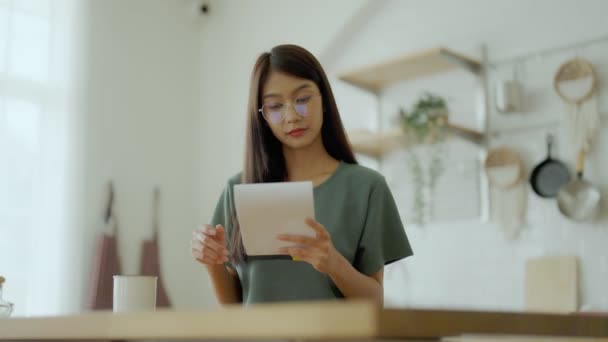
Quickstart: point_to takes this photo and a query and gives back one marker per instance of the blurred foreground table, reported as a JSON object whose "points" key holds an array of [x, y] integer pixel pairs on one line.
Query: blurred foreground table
{"points": [[343, 320]]}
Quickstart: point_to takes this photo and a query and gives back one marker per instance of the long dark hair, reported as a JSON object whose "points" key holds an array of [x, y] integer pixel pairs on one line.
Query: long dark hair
{"points": [[264, 160]]}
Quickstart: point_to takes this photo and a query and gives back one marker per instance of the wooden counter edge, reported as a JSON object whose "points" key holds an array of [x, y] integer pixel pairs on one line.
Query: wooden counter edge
{"points": [[442, 323], [312, 321]]}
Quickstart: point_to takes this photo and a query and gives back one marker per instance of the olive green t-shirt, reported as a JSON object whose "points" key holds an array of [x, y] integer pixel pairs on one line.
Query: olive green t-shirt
{"points": [[356, 207]]}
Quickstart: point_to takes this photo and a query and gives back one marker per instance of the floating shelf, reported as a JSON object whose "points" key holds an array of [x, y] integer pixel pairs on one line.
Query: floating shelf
{"points": [[376, 144], [376, 77]]}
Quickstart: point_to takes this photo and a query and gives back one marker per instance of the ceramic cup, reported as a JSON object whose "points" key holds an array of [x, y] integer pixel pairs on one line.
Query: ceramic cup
{"points": [[134, 293]]}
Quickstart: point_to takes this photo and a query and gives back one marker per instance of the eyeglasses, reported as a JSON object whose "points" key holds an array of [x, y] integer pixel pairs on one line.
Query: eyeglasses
{"points": [[275, 111]]}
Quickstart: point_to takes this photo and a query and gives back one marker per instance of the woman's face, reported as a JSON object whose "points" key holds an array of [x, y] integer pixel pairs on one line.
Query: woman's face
{"points": [[293, 109]]}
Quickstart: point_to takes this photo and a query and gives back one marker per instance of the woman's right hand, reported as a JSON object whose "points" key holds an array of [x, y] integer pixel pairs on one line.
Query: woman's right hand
{"points": [[209, 245]]}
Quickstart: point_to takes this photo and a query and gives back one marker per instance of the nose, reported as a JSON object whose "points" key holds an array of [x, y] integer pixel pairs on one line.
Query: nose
{"points": [[290, 114]]}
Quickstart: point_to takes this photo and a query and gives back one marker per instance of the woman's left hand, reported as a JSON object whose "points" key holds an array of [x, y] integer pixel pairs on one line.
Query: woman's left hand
{"points": [[318, 251]]}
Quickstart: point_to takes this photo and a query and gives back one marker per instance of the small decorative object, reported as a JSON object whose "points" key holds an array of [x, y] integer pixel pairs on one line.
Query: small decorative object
{"points": [[425, 124], [508, 96], [505, 171], [576, 84], [6, 308]]}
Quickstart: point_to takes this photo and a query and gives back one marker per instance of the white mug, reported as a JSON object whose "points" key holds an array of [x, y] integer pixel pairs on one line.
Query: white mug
{"points": [[508, 97], [134, 293]]}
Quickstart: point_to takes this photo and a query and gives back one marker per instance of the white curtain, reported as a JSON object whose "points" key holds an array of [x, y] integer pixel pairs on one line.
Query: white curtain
{"points": [[40, 154]]}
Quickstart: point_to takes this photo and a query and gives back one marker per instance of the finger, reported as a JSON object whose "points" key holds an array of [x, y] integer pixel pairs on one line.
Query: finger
{"points": [[317, 227], [210, 261], [196, 245], [221, 233], [209, 256], [297, 252], [205, 252], [206, 229], [299, 239], [202, 250], [211, 242], [215, 246]]}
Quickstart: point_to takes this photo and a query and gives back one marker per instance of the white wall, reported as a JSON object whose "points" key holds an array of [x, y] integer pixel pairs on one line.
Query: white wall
{"points": [[233, 35], [457, 264], [465, 263], [142, 118]]}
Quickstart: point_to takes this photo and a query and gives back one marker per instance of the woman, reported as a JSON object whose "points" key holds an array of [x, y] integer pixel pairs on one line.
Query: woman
{"points": [[294, 133]]}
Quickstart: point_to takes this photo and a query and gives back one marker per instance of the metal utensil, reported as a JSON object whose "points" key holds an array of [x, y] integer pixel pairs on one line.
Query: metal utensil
{"points": [[550, 175], [579, 200]]}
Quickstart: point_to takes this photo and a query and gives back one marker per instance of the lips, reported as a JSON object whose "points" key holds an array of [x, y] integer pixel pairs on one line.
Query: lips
{"points": [[296, 132]]}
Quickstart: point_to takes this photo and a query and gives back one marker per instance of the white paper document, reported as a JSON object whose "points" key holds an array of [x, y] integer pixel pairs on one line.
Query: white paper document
{"points": [[267, 209]]}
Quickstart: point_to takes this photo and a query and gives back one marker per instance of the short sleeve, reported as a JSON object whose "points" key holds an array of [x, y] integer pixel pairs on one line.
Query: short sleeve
{"points": [[383, 239], [223, 214]]}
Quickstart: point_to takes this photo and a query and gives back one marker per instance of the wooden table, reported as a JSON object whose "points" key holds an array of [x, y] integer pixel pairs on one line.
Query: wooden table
{"points": [[307, 321]]}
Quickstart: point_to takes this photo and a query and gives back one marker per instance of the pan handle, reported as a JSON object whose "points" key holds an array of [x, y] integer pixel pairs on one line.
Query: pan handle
{"points": [[109, 215], [550, 140], [155, 212], [580, 164], [109, 212]]}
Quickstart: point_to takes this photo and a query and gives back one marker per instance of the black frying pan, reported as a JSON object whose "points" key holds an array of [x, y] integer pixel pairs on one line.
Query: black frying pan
{"points": [[550, 175]]}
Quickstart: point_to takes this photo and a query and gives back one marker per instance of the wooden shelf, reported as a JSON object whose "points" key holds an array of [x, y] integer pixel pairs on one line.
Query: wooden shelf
{"points": [[376, 77], [466, 133], [376, 144]]}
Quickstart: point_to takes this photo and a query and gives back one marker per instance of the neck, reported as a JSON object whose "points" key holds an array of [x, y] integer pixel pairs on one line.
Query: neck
{"points": [[306, 163]]}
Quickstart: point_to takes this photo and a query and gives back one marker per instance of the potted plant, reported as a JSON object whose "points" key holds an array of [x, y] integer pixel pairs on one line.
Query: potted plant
{"points": [[425, 124]]}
